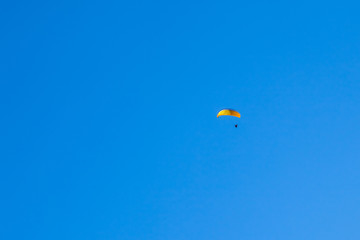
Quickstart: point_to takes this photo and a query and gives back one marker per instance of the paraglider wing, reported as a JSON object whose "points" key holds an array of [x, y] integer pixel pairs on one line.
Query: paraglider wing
{"points": [[228, 112]]}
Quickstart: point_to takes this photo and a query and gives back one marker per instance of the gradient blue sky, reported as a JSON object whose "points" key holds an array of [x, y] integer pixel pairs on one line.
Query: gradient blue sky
{"points": [[108, 125]]}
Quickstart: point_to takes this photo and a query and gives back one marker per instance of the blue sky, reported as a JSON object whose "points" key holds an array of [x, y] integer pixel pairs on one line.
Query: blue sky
{"points": [[108, 125]]}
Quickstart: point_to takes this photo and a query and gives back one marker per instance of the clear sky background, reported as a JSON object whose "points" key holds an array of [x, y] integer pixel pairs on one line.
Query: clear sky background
{"points": [[108, 125]]}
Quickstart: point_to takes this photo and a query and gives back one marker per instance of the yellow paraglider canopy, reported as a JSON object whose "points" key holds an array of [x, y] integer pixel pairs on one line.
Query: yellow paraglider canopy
{"points": [[228, 112]]}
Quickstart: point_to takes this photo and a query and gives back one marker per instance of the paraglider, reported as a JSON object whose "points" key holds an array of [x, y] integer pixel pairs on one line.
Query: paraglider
{"points": [[229, 112]]}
